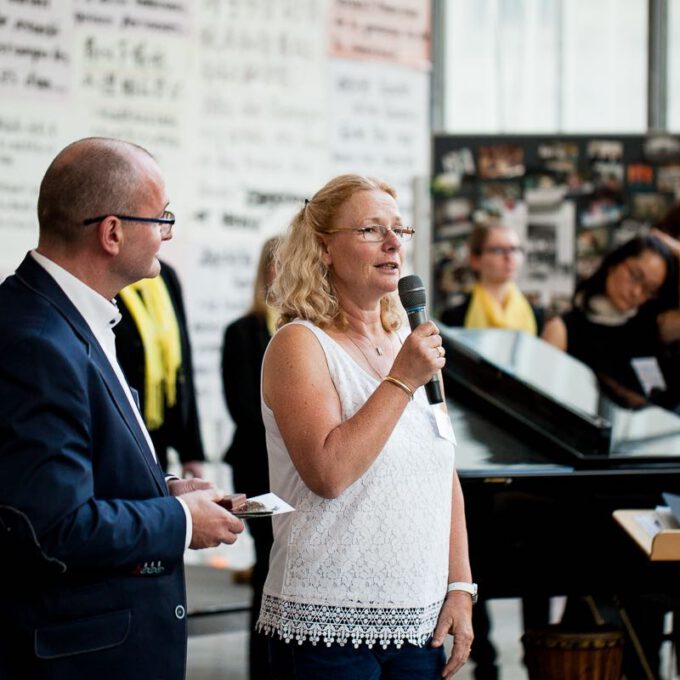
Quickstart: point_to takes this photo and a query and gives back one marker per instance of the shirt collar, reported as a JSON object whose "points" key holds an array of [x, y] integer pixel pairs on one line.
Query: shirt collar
{"points": [[98, 312]]}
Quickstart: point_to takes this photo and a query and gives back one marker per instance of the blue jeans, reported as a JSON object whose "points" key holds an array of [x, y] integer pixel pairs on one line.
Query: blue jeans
{"points": [[292, 661]]}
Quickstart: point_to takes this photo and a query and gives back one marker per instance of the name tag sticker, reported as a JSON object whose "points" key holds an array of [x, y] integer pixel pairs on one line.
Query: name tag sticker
{"points": [[444, 425], [648, 373]]}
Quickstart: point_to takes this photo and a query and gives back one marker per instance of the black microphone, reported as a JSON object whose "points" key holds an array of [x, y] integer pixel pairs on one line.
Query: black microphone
{"points": [[412, 296]]}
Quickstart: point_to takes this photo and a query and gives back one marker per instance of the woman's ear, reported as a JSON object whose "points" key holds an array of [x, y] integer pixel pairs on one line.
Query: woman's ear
{"points": [[325, 253]]}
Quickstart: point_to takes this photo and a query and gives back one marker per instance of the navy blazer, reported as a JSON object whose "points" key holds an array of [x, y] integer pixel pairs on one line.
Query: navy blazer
{"points": [[86, 522]]}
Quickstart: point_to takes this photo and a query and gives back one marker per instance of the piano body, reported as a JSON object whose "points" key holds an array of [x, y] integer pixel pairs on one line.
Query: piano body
{"points": [[544, 458]]}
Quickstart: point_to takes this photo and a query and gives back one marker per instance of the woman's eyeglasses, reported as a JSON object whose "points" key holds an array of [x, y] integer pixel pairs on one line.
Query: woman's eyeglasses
{"points": [[166, 220], [376, 233], [503, 250], [637, 278]]}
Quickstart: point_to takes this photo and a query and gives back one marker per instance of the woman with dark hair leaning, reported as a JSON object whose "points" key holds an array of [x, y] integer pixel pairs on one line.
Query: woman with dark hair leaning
{"points": [[245, 341], [625, 311], [371, 571], [620, 314]]}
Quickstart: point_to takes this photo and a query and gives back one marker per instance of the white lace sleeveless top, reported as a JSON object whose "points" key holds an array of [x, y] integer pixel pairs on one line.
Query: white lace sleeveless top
{"points": [[371, 565]]}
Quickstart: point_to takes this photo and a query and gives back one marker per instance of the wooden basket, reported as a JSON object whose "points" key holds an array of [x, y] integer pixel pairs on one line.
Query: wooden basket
{"points": [[555, 654]]}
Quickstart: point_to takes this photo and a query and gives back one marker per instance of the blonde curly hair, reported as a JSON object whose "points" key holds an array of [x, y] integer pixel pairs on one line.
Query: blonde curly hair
{"points": [[303, 288]]}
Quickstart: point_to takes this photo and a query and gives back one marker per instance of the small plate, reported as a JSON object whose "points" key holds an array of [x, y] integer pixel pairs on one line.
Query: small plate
{"points": [[247, 514]]}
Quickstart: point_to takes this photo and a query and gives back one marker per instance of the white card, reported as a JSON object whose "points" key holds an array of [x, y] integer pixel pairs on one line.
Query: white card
{"points": [[648, 373], [273, 504]]}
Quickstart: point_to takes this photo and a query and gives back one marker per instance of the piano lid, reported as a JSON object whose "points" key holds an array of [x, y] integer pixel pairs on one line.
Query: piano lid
{"points": [[557, 396]]}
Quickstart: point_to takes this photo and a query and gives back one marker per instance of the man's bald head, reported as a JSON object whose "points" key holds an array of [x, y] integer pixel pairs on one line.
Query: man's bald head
{"points": [[90, 177]]}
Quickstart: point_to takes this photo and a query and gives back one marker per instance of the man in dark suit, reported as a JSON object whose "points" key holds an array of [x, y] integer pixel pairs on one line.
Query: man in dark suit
{"points": [[91, 533]]}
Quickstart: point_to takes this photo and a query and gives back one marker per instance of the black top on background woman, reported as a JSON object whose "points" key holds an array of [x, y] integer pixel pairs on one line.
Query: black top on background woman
{"points": [[245, 341]]}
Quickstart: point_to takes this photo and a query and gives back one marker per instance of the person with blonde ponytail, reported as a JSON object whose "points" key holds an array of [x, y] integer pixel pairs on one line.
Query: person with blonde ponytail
{"points": [[371, 571], [245, 341]]}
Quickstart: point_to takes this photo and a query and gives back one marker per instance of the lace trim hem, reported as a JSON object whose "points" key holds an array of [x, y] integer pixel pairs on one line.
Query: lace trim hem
{"points": [[359, 625]]}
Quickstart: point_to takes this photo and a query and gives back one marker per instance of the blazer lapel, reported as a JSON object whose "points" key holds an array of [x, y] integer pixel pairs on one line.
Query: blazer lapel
{"points": [[38, 280], [120, 399]]}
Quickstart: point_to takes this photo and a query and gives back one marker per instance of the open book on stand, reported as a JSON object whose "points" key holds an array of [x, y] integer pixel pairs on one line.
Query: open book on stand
{"points": [[656, 531]]}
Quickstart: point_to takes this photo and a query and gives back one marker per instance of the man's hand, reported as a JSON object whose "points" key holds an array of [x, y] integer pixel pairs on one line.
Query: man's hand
{"points": [[212, 524], [178, 487], [192, 468]]}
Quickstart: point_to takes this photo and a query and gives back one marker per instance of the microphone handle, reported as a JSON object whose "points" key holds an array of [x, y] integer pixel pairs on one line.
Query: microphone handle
{"points": [[433, 388]]}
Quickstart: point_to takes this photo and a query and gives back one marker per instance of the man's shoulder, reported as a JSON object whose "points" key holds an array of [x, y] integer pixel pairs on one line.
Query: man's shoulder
{"points": [[25, 314]]}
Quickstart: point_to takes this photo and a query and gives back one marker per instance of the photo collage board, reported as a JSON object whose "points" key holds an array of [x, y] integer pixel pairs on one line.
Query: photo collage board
{"points": [[570, 198]]}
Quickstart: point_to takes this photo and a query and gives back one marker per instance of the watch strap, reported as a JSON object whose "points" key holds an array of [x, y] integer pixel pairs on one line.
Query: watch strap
{"points": [[470, 588]]}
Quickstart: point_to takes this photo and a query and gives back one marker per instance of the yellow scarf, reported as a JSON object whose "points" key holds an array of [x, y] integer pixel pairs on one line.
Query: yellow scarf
{"points": [[149, 304], [485, 312]]}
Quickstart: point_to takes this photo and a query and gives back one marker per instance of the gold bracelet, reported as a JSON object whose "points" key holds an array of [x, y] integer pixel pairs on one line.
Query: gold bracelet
{"points": [[401, 384]]}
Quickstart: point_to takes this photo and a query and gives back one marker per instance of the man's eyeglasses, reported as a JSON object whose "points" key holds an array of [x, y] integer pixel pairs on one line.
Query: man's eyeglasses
{"points": [[503, 250], [166, 220], [376, 233]]}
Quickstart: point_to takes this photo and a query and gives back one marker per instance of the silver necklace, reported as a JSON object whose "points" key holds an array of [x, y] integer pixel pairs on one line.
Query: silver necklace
{"points": [[379, 351]]}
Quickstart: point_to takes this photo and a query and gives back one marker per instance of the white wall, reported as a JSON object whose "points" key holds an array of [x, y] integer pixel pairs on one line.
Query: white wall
{"points": [[249, 106]]}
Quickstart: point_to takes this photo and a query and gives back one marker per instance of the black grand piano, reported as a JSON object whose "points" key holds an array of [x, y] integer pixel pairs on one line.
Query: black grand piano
{"points": [[544, 458]]}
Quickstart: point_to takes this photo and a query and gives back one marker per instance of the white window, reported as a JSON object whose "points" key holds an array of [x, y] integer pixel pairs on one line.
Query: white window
{"points": [[568, 66]]}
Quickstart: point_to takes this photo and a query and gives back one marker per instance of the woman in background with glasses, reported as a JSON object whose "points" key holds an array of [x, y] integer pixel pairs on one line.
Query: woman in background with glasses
{"points": [[495, 301], [371, 571], [618, 316]]}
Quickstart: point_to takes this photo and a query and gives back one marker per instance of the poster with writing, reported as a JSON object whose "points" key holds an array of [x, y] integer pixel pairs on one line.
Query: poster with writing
{"points": [[396, 31], [35, 85], [131, 74], [35, 40], [379, 125]]}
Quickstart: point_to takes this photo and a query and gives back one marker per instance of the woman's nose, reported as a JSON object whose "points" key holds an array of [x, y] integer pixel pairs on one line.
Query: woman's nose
{"points": [[391, 240]]}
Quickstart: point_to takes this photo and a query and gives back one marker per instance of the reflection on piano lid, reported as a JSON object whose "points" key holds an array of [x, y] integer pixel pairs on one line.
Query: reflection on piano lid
{"points": [[556, 396]]}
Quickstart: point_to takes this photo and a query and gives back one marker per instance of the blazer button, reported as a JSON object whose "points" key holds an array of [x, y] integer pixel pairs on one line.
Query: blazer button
{"points": [[180, 612]]}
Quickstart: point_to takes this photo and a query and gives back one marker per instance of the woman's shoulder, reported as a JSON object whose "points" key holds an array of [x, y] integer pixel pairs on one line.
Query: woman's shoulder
{"points": [[297, 334]]}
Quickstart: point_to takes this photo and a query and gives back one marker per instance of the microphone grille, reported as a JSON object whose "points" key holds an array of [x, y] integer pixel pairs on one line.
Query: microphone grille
{"points": [[412, 291]]}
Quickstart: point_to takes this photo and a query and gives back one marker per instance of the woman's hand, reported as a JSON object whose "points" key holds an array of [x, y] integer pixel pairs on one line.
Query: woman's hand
{"points": [[420, 357], [621, 394], [455, 618], [671, 242]]}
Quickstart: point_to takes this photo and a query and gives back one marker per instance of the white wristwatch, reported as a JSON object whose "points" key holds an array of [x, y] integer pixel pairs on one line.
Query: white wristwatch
{"points": [[470, 588]]}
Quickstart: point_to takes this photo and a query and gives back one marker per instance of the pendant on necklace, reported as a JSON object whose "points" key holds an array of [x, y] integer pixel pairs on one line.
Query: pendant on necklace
{"points": [[378, 351]]}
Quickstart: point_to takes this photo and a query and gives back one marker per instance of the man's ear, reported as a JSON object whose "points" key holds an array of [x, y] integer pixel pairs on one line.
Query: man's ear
{"points": [[110, 235]]}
